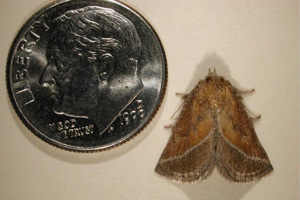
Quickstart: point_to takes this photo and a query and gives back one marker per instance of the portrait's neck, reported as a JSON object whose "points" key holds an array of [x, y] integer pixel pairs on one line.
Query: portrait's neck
{"points": [[114, 96]]}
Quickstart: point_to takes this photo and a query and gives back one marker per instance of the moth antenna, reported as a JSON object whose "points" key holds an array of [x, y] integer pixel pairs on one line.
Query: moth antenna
{"points": [[256, 118], [253, 116], [172, 117]]}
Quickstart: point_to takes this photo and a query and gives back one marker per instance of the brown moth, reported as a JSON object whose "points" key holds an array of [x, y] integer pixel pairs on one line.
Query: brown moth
{"points": [[214, 128]]}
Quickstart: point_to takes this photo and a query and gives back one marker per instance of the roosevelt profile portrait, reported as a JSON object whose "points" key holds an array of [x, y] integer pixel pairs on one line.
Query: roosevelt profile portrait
{"points": [[92, 64]]}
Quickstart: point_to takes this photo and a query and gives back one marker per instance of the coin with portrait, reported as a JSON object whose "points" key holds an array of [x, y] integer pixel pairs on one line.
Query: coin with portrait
{"points": [[86, 75]]}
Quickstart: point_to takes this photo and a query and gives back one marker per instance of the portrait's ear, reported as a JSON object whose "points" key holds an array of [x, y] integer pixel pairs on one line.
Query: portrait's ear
{"points": [[106, 67]]}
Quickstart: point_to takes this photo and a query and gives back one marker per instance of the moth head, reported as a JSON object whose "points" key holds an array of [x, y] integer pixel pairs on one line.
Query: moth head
{"points": [[212, 73]]}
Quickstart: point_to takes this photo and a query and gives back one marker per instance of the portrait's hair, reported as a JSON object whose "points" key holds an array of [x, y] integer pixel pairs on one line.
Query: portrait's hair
{"points": [[89, 32]]}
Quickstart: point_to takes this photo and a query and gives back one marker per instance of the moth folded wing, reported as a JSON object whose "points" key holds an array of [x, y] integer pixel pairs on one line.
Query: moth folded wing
{"points": [[189, 155], [240, 155]]}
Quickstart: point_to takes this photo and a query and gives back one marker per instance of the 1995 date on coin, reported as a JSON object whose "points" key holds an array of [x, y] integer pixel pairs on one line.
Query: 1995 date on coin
{"points": [[86, 75]]}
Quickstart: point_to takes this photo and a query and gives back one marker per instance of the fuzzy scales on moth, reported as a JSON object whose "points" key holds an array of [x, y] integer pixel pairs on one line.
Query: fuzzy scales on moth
{"points": [[214, 129]]}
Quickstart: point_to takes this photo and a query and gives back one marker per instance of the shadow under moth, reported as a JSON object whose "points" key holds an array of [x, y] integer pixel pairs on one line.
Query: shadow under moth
{"points": [[214, 129]]}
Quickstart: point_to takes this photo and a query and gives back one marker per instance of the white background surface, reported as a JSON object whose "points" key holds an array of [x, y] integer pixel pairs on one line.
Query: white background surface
{"points": [[253, 43]]}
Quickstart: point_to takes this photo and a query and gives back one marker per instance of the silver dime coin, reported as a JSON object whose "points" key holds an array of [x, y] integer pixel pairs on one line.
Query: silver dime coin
{"points": [[86, 75]]}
